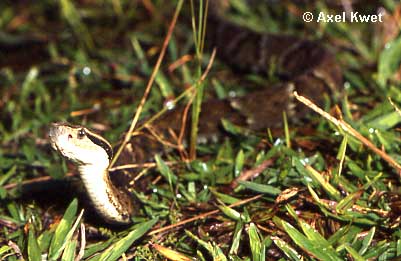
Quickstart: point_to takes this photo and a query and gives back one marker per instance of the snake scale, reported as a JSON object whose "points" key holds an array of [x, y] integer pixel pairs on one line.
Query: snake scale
{"points": [[303, 65]]}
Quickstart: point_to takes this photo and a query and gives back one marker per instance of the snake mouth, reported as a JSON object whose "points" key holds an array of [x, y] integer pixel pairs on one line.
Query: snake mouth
{"points": [[52, 133]]}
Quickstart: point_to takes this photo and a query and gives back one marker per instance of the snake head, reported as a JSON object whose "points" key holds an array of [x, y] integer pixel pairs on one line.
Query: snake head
{"points": [[79, 144]]}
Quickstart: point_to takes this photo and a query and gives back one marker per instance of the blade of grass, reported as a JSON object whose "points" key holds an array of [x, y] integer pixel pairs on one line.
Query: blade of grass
{"points": [[72, 16], [290, 252], [199, 39], [33, 246], [58, 241], [166, 171], [236, 238], [261, 188], [65, 230], [231, 213], [341, 155], [69, 251], [257, 248], [4, 250], [115, 251], [286, 131], [389, 61], [332, 191], [239, 163], [367, 241], [170, 254], [213, 249], [354, 253]]}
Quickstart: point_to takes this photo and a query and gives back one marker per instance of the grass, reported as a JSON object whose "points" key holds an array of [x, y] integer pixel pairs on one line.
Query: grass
{"points": [[311, 191]]}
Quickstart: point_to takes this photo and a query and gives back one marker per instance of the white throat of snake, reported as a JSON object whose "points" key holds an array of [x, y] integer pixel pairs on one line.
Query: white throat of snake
{"points": [[92, 154]]}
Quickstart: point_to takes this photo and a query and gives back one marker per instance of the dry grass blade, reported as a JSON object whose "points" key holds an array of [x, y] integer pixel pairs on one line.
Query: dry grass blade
{"points": [[394, 106], [348, 129], [139, 166], [83, 244], [34, 180], [170, 253], [181, 147], [252, 173]]}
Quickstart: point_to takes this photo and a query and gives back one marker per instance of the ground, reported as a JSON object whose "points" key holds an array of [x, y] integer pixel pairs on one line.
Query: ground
{"points": [[310, 190]]}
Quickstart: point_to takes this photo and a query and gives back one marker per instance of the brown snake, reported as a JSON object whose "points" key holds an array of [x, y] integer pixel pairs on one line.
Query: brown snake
{"points": [[304, 65]]}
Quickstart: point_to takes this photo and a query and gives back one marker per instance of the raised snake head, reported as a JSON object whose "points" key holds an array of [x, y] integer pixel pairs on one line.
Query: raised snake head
{"points": [[80, 145]]}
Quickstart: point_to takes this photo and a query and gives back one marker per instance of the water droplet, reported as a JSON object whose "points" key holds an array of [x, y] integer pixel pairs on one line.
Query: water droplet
{"points": [[232, 94], [277, 142], [170, 104], [204, 166], [86, 70]]}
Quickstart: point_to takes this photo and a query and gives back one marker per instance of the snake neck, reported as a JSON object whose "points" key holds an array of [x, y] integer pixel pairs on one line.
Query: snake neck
{"points": [[112, 204]]}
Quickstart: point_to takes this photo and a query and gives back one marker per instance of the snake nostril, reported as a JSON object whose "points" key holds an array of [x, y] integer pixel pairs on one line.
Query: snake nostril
{"points": [[69, 136]]}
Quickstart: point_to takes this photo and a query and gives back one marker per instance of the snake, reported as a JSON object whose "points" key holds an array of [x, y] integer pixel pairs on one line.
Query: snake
{"points": [[92, 154], [302, 65]]}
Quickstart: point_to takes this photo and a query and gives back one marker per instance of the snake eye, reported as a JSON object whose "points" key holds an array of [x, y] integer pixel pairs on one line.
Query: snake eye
{"points": [[81, 133]]}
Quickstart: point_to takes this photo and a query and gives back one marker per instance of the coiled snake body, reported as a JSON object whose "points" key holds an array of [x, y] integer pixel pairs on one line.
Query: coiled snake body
{"points": [[306, 66]]}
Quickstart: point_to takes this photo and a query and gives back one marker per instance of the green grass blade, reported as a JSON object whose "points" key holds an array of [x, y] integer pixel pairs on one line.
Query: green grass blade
{"points": [[71, 14], [33, 246], [59, 239], [286, 131], [312, 247], [115, 251], [341, 155], [290, 252], [69, 251], [354, 253], [367, 241], [344, 204], [257, 248], [165, 171], [8, 174], [3, 251], [389, 61], [213, 249], [239, 163], [315, 175], [231, 213], [236, 238], [262, 188]]}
